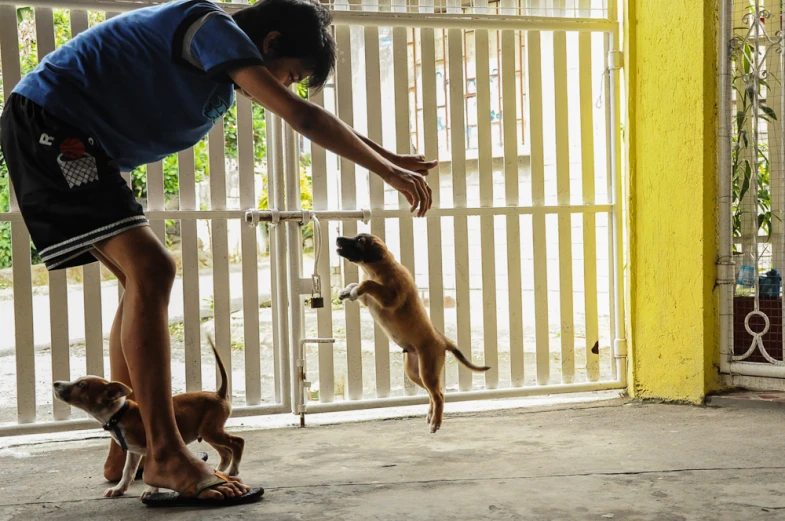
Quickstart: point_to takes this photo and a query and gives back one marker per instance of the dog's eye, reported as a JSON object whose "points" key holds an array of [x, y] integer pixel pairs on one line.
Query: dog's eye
{"points": [[80, 385]]}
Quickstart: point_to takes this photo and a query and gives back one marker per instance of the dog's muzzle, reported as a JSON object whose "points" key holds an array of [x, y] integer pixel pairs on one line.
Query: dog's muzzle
{"points": [[62, 391]]}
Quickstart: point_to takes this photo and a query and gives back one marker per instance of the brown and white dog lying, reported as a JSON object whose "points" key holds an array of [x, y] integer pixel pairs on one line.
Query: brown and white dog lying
{"points": [[391, 295], [200, 415]]}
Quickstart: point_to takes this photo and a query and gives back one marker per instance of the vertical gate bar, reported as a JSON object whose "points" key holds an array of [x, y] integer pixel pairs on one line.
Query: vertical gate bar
{"points": [[373, 92], [91, 280], [79, 22], [349, 202], [44, 31], [589, 219], [617, 220], [487, 222], [403, 144], [274, 307], [94, 335], [774, 99], [192, 332], [457, 108], [609, 196], [58, 323], [779, 243], [402, 137], [511, 179], [58, 284], [250, 261], [20, 242], [155, 197], [724, 185], [275, 180], [538, 219], [324, 315], [291, 158], [567, 328], [220, 250], [431, 142], [248, 240]]}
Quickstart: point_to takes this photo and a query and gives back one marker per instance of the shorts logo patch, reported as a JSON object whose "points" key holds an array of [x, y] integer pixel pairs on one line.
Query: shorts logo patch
{"points": [[46, 139], [77, 165]]}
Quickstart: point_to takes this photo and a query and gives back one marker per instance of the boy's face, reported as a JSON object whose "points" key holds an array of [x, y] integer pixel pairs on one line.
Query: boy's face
{"points": [[288, 70]]}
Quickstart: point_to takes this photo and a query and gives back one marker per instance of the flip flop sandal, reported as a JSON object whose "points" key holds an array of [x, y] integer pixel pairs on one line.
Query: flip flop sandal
{"points": [[140, 471], [189, 496]]}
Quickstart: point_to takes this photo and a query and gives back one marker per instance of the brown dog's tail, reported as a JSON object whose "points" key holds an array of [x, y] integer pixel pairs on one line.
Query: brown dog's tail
{"points": [[451, 347], [221, 392]]}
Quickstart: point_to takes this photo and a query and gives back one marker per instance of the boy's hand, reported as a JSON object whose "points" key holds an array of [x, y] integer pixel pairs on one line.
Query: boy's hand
{"points": [[413, 187], [413, 163]]}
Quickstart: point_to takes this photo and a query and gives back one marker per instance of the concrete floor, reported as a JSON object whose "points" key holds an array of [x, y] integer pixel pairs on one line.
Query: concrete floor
{"points": [[609, 460]]}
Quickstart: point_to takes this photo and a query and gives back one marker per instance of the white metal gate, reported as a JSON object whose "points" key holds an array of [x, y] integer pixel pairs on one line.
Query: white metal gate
{"points": [[751, 187], [520, 259]]}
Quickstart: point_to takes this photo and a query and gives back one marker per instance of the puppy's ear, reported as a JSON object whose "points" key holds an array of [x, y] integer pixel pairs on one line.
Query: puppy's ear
{"points": [[115, 390]]}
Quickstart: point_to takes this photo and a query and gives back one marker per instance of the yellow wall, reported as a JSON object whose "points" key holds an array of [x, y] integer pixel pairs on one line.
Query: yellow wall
{"points": [[670, 74]]}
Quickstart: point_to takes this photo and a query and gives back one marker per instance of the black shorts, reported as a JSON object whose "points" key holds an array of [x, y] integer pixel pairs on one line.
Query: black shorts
{"points": [[70, 193]]}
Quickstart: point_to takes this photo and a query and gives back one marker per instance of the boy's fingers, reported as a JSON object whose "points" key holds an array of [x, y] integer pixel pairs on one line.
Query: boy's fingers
{"points": [[423, 195]]}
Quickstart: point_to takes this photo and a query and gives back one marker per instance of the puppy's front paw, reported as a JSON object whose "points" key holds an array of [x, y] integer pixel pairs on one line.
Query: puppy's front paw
{"points": [[435, 425], [148, 490], [115, 491], [349, 292]]}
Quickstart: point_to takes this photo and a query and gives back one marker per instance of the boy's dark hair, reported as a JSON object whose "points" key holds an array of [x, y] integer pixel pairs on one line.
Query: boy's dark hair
{"points": [[305, 33]]}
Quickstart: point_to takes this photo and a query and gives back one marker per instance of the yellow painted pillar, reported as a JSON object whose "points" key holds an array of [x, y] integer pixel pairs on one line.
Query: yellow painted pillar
{"points": [[671, 143]]}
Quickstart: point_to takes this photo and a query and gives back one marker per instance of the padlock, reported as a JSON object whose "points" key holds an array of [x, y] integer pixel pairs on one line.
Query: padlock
{"points": [[317, 302]]}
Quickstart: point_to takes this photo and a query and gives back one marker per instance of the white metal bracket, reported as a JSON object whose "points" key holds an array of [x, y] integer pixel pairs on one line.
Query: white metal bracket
{"points": [[725, 272], [620, 347], [615, 60]]}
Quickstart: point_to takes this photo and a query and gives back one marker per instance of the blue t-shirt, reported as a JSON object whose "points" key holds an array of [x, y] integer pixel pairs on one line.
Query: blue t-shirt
{"points": [[148, 83]]}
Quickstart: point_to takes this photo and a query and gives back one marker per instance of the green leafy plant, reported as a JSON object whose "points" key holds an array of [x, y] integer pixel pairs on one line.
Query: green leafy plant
{"points": [[742, 168]]}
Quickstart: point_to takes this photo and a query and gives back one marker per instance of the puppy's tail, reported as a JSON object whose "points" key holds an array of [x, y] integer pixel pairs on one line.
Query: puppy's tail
{"points": [[451, 347], [221, 392]]}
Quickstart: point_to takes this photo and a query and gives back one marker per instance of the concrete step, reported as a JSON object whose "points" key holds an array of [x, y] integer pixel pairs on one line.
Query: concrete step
{"points": [[749, 400]]}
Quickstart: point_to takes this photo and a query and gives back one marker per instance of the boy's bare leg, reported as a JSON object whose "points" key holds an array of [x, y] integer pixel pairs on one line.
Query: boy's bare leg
{"points": [[144, 336], [115, 461]]}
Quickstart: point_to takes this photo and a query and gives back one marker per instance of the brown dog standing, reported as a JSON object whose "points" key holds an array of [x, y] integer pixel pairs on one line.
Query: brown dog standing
{"points": [[391, 295], [201, 414]]}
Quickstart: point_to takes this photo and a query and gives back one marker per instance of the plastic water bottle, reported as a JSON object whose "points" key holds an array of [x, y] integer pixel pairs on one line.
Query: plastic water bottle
{"points": [[745, 282]]}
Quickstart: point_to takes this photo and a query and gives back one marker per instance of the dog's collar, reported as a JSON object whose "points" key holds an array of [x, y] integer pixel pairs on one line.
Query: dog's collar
{"points": [[111, 425]]}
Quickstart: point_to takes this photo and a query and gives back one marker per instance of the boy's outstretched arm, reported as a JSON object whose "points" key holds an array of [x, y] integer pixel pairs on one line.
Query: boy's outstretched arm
{"points": [[415, 163], [331, 133]]}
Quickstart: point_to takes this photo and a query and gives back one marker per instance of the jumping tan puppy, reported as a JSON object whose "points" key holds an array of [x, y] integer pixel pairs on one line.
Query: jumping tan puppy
{"points": [[391, 295], [200, 415]]}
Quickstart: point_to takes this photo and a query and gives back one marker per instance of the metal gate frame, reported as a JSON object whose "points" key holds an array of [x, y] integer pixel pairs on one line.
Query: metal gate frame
{"points": [[773, 44], [287, 217]]}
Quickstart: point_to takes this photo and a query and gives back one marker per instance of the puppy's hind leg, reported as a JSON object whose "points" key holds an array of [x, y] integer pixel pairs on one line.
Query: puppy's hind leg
{"points": [[129, 472], [411, 366], [226, 457], [233, 444], [431, 376]]}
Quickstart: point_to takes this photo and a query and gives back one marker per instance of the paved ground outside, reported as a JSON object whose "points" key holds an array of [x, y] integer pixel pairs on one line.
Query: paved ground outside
{"points": [[598, 460]]}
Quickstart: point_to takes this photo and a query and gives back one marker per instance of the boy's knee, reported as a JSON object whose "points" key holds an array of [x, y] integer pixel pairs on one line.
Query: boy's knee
{"points": [[154, 274]]}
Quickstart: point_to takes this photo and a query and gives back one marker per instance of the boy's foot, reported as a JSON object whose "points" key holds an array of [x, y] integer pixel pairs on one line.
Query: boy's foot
{"points": [[178, 469]]}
